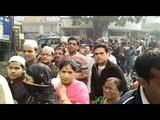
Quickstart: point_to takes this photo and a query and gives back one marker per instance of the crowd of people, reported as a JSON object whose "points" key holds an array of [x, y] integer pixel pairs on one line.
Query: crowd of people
{"points": [[82, 72]]}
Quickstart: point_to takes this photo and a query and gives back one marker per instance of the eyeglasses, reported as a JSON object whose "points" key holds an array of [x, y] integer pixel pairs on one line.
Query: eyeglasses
{"points": [[108, 88], [47, 55]]}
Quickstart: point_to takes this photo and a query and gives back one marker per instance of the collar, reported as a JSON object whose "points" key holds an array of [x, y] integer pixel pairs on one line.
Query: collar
{"points": [[143, 96], [15, 81], [108, 64]]}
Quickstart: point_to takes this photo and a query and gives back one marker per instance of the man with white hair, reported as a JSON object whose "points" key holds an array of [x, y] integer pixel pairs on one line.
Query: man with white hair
{"points": [[30, 52], [47, 57], [16, 71]]}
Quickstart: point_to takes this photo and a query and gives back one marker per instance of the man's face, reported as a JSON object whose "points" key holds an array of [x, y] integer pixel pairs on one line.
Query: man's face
{"points": [[29, 53], [14, 70], [63, 46], [46, 56], [152, 88], [100, 55], [58, 55], [87, 49], [72, 46]]}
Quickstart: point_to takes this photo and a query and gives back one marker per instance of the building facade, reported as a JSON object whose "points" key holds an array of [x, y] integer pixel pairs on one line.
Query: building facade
{"points": [[87, 30], [33, 26], [82, 30]]}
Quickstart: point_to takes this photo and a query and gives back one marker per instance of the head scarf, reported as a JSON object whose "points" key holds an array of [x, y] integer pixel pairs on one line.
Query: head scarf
{"points": [[40, 73]]}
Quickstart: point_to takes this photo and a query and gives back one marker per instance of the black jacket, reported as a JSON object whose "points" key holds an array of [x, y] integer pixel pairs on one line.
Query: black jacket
{"points": [[54, 70], [18, 90], [131, 97], [110, 70]]}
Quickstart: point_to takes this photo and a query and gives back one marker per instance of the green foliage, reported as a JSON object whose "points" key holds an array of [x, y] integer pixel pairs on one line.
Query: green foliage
{"points": [[106, 20], [101, 23], [155, 34]]}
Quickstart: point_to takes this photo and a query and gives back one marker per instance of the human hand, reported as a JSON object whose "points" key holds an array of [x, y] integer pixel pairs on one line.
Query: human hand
{"points": [[62, 90]]}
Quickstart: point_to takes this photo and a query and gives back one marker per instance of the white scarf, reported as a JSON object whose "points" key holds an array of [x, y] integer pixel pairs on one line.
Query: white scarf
{"points": [[5, 92]]}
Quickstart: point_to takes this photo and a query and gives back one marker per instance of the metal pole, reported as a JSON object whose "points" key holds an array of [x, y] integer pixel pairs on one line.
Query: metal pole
{"points": [[11, 35]]}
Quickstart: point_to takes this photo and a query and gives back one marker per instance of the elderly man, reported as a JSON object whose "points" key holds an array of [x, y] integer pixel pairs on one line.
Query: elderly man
{"points": [[47, 57]]}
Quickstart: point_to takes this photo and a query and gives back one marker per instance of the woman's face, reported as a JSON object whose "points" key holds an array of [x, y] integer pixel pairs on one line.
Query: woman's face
{"points": [[110, 90], [67, 75]]}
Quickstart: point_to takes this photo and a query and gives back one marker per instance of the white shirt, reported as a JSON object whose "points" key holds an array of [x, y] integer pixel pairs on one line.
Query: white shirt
{"points": [[143, 96], [55, 82], [100, 68], [90, 61], [112, 59], [5, 92], [139, 49]]}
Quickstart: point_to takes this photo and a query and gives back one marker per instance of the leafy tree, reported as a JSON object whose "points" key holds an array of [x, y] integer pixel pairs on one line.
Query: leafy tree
{"points": [[101, 23], [155, 34]]}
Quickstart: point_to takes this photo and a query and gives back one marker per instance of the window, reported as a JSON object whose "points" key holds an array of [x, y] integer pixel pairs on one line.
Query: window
{"points": [[74, 33]]}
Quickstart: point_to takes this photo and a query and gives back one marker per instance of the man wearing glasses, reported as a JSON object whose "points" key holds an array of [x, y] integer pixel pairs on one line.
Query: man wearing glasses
{"points": [[47, 57]]}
